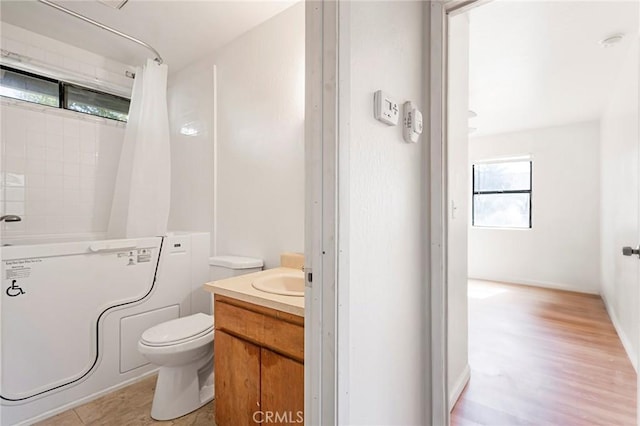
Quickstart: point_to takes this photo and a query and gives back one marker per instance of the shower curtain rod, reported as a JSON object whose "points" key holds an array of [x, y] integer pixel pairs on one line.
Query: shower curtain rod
{"points": [[157, 58]]}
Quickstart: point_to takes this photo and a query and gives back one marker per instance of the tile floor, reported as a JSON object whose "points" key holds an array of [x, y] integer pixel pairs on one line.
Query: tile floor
{"points": [[130, 406]]}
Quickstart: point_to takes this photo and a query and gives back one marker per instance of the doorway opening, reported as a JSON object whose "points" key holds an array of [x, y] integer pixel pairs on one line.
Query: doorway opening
{"points": [[542, 194]]}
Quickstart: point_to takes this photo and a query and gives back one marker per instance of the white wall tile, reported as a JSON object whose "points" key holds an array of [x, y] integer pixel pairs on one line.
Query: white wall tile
{"points": [[16, 165], [49, 168], [15, 193], [55, 205], [35, 180], [14, 150], [37, 207], [54, 140], [54, 59], [54, 154], [54, 183], [88, 158], [71, 169], [14, 207], [37, 224], [88, 183], [71, 183], [36, 53], [35, 138], [71, 128], [57, 182], [15, 46], [55, 124], [72, 65], [35, 166], [36, 194], [54, 168], [36, 152], [88, 70]]}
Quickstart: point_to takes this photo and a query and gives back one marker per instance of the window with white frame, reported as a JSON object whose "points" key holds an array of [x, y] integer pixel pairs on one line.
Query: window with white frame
{"points": [[502, 194]]}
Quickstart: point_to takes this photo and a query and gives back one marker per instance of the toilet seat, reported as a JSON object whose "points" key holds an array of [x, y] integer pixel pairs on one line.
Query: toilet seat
{"points": [[178, 331]]}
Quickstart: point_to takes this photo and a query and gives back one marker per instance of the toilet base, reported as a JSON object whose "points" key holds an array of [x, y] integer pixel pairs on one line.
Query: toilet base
{"points": [[181, 390]]}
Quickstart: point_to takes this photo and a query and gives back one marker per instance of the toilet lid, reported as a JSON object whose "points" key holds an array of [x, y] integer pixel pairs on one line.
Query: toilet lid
{"points": [[178, 330]]}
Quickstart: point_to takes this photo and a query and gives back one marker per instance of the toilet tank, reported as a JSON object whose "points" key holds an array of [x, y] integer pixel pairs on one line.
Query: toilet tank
{"points": [[221, 267]]}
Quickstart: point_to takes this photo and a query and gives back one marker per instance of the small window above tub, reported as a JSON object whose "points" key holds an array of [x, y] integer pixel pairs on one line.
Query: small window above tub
{"points": [[502, 194], [29, 87], [88, 101]]}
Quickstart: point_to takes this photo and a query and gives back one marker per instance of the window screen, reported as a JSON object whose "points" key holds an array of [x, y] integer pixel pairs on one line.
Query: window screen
{"points": [[502, 194]]}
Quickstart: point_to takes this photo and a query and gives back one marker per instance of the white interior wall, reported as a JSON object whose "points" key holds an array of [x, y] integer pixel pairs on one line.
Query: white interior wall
{"points": [[386, 336], [58, 167], [258, 157], [619, 207], [562, 250], [458, 205]]}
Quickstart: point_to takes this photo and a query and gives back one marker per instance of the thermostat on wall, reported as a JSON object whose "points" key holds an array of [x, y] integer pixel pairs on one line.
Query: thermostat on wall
{"points": [[412, 128], [385, 109]]}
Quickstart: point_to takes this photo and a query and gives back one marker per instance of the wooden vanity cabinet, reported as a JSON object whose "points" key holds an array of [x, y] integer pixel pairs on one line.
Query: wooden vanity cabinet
{"points": [[259, 364]]}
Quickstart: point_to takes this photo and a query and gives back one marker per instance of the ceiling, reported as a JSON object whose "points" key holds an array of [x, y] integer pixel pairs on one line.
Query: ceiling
{"points": [[539, 64], [182, 31]]}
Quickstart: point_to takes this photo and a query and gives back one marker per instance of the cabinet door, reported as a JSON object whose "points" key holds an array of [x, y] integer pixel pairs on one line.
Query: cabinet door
{"points": [[282, 391], [237, 381]]}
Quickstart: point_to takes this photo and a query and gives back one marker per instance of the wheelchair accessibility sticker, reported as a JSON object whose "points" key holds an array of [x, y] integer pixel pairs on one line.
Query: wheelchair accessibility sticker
{"points": [[15, 271], [14, 289]]}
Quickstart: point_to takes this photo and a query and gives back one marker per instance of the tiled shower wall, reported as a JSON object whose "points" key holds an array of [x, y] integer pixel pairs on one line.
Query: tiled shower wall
{"points": [[58, 170], [58, 167]]}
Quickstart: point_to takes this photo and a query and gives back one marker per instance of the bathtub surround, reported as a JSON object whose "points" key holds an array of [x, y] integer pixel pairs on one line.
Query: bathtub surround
{"points": [[141, 197], [248, 128], [58, 167]]}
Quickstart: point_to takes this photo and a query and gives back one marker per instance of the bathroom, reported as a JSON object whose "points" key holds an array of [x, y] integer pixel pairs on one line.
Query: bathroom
{"points": [[235, 172]]}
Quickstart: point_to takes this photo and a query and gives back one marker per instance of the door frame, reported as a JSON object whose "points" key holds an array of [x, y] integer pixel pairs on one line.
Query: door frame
{"points": [[326, 219], [437, 85], [326, 143]]}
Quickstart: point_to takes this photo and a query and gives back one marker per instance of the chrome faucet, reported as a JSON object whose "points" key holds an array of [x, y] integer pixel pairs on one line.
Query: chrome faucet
{"points": [[10, 218]]}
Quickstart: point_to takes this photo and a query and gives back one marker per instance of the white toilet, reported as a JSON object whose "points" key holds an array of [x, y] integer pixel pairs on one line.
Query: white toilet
{"points": [[183, 350]]}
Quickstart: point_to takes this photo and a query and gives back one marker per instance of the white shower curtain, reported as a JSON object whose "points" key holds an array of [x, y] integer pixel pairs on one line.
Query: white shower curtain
{"points": [[141, 196]]}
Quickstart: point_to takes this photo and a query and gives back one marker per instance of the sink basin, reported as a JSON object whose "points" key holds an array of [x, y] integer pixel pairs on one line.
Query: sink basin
{"points": [[289, 283]]}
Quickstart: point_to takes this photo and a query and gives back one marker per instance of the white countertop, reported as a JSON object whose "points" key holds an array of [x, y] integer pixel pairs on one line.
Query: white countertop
{"points": [[240, 288]]}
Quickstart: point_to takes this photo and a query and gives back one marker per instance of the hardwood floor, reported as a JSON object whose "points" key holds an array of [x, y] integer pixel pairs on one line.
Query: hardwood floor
{"points": [[543, 357], [130, 406]]}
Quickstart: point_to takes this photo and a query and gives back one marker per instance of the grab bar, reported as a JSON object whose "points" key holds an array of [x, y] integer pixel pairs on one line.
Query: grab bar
{"points": [[113, 245]]}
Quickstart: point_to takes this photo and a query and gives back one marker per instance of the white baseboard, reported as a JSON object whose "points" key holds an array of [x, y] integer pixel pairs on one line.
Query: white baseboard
{"points": [[459, 386], [626, 343], [543, 284]]}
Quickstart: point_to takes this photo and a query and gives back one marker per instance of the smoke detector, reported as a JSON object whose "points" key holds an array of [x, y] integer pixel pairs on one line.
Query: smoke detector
{"points": [[114, 4]]}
